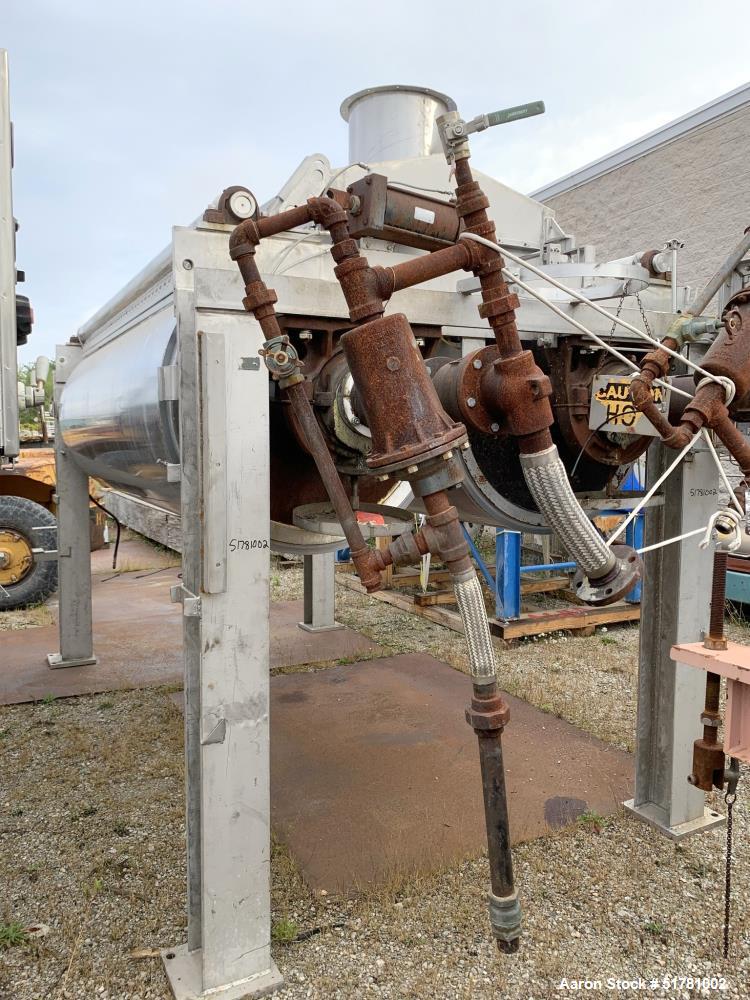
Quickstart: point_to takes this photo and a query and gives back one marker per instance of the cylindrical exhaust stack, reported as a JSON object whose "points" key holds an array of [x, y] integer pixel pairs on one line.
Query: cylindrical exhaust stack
{"points": [[395, 122]]}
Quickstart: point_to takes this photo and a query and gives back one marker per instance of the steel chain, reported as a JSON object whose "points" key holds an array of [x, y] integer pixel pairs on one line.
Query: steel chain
{"points": [[644, 317]]}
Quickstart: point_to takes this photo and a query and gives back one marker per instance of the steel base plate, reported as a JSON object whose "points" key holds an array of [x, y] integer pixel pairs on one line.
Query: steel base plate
{"points": [[184, 972], [320, 628], [55, 661], [653, 815]]}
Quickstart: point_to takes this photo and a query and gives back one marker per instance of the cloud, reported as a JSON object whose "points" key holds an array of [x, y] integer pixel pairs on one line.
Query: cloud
{"points": [[131, 117]]}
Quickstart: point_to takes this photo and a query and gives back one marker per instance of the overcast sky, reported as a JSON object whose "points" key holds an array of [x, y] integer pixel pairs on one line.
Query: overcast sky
{"points": [[130, 117]]}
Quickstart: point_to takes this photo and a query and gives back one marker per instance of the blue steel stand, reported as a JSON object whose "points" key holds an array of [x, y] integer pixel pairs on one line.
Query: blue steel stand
{"points": [[508, 570], [507, 574]]}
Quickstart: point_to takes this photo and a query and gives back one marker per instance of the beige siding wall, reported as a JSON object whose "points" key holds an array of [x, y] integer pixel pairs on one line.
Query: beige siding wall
{"points": [[695, 189]]}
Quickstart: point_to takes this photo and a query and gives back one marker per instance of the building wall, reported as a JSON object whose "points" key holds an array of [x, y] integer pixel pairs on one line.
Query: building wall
{"points": [[695, 189]]}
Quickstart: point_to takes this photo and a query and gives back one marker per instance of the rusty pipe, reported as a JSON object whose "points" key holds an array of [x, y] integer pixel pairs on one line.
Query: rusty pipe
{"points": [[708, 755], [734, 441], [426, 267], [488, 714], [368, 562]]}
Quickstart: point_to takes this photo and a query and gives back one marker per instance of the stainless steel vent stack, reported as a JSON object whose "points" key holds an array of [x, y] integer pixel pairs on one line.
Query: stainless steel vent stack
{"points": [[395, 122]]}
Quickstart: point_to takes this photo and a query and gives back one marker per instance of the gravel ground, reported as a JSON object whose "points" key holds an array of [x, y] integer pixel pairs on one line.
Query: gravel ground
{"points": [[92, 846]]}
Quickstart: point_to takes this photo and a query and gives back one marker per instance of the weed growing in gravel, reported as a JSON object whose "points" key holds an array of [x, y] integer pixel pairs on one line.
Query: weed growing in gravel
{"points": [[655, 929], [121, 829], [607, 640], [593, 821], [12, 934], [283, 931], [48, 699], [106, 704], [85, 813]]}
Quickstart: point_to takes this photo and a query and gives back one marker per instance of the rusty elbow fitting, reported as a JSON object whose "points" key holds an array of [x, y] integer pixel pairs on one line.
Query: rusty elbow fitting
{"points": [[369, 564]]}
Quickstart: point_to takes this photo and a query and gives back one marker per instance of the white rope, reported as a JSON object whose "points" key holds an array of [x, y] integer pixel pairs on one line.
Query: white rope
{"points": [[670, 541], [645, 499], [585, 330], [722, 473], [586, 301]]}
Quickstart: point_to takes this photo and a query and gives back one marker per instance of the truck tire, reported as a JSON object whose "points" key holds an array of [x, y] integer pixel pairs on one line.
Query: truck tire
{"points": [[25, 580]]}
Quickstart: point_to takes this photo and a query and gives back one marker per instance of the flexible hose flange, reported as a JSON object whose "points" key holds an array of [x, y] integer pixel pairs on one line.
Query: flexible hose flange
{"points": [[505, 916], [616, 584]]}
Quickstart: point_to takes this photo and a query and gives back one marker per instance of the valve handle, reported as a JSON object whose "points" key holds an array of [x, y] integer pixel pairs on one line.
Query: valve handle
{"points": [[513, 114], [454, 131]]}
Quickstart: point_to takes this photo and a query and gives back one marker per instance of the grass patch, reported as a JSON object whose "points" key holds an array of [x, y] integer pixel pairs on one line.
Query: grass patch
{"points": [[283, 931], [12, 934]]}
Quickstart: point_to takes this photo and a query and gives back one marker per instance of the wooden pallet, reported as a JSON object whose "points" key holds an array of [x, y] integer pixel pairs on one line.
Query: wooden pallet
{"points": [[582, 620]]}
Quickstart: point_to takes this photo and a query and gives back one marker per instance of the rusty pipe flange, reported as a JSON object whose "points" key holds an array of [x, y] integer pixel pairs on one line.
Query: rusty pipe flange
{"points": [[616, 584], [468, 390]]}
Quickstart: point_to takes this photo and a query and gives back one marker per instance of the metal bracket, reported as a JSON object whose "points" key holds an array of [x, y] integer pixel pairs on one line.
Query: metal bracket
{"points": [[191, 605]]}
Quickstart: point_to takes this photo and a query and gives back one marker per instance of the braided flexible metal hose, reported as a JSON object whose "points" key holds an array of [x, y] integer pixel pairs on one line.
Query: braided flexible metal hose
{"points": [[548, 484], [471, 606]]}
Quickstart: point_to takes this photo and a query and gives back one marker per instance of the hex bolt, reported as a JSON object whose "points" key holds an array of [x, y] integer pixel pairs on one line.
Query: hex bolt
{"points": [[447, 456], [412, 469], [477, 362], [382, 479], [494, 428], [471, 402]]}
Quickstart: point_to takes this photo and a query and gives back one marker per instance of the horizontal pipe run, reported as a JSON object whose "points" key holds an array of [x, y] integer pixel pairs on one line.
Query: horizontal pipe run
{"points": [[428, 266], [543, 567]]}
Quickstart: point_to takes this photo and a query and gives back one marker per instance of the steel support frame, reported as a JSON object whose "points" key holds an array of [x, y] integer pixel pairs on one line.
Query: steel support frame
{"points": [[319, 592], [73, 540], [675, 604], [507, 574], [225, 593]]}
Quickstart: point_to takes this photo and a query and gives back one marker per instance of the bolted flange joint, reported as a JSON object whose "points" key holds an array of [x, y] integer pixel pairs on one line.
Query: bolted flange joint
{"points": [[625, 573]]}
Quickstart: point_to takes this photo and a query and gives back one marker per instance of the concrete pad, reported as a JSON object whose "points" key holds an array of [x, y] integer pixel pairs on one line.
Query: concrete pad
{"points": [[138, 640], [374, 771], [292, 645]]}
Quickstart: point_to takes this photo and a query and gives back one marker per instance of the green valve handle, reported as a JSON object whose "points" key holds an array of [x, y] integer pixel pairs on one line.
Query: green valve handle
{"points": [[513, 114]]}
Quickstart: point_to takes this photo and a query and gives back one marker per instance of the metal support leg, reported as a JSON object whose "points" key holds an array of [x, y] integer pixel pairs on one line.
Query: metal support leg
{"points": [[675, 609], [320, 593], [507, 574], [73, 542], [225, 596]]}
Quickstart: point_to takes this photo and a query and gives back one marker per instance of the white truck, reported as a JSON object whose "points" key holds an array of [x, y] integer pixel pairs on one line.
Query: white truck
{"points": [[28, 568]]}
